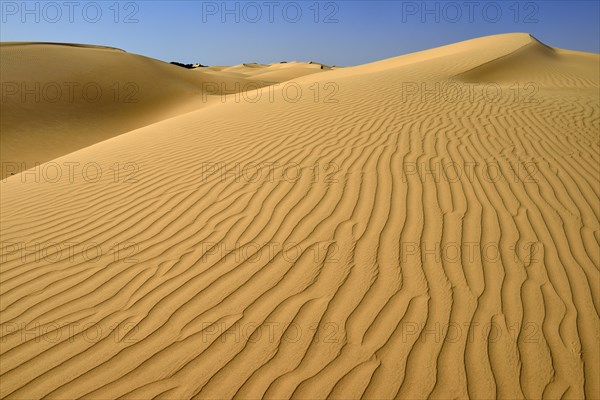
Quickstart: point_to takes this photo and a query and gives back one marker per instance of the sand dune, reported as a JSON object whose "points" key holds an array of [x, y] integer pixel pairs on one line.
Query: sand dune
{"points": [[288, 71], [426, 227], [536, 62], [58, 98]]}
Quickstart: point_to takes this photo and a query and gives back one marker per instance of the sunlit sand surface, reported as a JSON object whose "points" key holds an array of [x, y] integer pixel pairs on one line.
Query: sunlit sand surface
{"points": [[421, 227]]}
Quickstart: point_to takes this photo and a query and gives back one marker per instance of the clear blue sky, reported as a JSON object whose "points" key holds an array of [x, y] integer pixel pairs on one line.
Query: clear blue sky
{"points": [[334, 32]]}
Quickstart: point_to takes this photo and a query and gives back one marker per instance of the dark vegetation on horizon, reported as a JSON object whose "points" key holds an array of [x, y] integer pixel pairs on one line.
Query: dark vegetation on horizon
{"points": [[188, 66]]}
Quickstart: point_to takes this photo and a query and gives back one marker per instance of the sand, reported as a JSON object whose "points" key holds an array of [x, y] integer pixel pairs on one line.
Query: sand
{"points": [[421, 227], [59, 98]]}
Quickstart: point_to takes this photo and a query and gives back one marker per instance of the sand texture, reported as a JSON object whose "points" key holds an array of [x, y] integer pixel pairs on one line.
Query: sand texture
{"points": [[377, 236]]}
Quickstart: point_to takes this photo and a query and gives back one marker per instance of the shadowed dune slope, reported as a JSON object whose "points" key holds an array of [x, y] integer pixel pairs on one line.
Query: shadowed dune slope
{"points": [[378, 245], [541, 65], [59, 98]]}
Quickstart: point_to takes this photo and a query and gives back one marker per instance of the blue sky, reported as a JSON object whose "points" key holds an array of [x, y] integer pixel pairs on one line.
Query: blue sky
{"points": [[334, 32]]}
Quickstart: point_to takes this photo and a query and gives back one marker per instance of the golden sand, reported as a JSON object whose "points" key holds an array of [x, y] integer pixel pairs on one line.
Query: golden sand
{"points": [[420, 227]]}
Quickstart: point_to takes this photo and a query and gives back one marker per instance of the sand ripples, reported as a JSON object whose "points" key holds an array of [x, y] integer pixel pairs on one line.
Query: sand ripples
{"points": [[372, 247]]}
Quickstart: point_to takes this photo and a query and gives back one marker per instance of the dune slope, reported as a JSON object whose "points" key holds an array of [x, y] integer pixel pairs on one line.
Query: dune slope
{"points": [[382, 239], [57, 98]]}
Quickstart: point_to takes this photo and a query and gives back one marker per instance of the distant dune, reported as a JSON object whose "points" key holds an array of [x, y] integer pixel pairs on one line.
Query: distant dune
{"points": [[425, 226], [58, 98]]}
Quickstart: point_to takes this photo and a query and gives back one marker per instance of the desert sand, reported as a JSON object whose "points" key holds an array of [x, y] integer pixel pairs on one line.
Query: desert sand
{"points": [[424, 226], [59, 98]]}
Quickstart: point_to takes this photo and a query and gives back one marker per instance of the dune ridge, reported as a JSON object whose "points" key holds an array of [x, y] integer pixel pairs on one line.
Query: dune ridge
{"points": [[80, 45], [348, 268]]}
